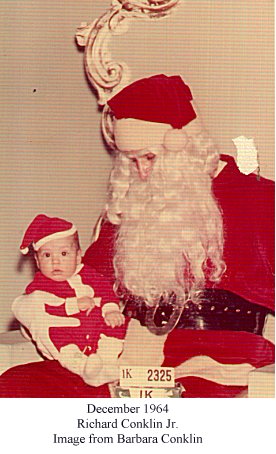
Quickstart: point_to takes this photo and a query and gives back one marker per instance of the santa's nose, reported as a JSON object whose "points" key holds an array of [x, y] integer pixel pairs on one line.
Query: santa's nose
{"points": [[144, 168]]}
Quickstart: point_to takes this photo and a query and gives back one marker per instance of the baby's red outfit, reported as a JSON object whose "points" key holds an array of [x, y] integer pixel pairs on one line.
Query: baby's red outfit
{"points": [[87, 282]]}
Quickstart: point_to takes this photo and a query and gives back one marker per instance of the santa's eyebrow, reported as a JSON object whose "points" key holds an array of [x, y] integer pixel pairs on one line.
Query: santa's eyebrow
{"points": [[140, 153], [134, 153]]}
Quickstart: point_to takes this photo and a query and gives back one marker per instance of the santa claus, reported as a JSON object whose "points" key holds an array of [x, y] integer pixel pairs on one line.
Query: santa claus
{"points": [[179, 220]]}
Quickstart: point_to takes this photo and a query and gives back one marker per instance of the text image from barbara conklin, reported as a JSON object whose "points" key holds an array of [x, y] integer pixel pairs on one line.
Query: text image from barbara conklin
{"points": [[147, 423], [132, 425]]}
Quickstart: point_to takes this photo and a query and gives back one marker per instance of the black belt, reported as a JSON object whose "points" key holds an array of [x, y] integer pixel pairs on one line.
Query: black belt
{"points": [[217, 310]]}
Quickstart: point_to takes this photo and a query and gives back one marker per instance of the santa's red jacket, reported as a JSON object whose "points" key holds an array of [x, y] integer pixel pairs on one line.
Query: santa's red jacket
{"points": [[247, 205]]}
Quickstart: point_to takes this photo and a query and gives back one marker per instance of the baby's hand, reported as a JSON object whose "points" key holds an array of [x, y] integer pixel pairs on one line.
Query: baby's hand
{"points": [[85, 303], [114, 318]]}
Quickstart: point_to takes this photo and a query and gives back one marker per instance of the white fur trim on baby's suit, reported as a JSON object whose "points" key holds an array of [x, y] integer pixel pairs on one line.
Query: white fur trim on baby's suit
{"points": [[53, 236], [71, 306], [39, 299], [80, 288]]}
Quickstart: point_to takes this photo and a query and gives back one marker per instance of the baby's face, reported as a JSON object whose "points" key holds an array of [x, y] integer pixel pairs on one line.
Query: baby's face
{"points": [[57, 259]]}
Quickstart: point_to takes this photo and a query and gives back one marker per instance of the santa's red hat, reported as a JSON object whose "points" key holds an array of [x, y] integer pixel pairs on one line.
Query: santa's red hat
{"points": [[43, 229], [151, 111]]}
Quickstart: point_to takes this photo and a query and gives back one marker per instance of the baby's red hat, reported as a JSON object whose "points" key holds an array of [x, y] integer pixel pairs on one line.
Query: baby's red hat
{"points": [[43, 229]]}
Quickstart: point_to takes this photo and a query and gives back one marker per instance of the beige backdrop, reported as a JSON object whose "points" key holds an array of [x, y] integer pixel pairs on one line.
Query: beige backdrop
{"points": [[52, 157]]}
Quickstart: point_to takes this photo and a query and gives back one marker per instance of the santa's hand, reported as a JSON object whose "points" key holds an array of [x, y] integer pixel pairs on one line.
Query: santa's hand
{"points": [[114, 318], [30, 311]]}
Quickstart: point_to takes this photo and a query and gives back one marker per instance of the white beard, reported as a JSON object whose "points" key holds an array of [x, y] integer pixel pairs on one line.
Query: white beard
{"points": [[170, 236]]}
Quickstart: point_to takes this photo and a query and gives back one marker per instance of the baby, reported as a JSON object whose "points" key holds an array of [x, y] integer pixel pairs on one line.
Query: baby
{"points": [[91, 349]]}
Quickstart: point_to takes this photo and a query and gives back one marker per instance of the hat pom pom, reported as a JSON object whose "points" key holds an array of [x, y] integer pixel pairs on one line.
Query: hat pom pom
{"points": [[175, 140], [24, 250]]}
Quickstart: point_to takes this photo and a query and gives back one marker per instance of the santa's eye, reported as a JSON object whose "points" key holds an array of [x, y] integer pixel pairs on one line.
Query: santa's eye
{"points": [[64, 253], [150, 156]]}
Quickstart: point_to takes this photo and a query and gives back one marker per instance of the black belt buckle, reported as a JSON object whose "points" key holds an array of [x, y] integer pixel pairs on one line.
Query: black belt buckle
{"points": [[164, 316]]}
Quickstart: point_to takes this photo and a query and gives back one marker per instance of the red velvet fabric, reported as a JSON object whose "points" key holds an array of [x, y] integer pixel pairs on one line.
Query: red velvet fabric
{"points": [[46, 379]]}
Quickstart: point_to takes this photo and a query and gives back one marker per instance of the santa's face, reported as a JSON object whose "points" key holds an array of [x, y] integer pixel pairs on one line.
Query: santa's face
{"points": [[170, 225], [143, 161]]}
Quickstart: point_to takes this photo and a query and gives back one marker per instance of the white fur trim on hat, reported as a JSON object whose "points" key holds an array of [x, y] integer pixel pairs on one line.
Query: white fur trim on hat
{"points": [[132, 134], [53, 236], [175, 140]]}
